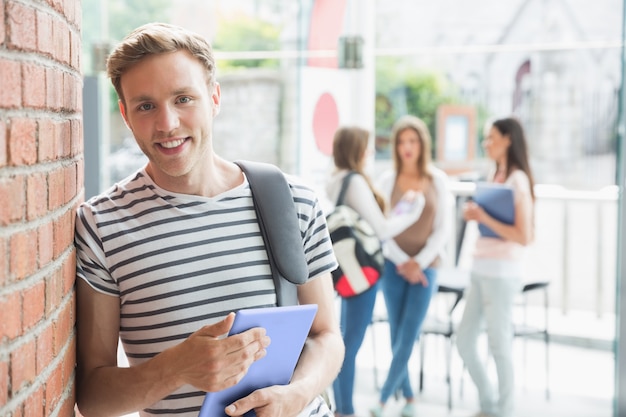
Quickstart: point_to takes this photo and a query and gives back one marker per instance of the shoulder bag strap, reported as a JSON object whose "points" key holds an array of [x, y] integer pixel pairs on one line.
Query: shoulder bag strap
{"points": [[344, 188], [278, 221]]}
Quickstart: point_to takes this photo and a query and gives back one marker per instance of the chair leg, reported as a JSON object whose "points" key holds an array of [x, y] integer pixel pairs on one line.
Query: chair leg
{"points": [[448, 366], [547, 343], [422, 354]]}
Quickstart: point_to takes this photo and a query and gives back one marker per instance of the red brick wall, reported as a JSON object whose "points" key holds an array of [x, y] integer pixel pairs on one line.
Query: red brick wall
{"points": [[41, 183]]}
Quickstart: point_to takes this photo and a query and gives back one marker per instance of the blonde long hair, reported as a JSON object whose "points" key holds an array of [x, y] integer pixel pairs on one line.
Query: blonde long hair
{"points": [[349, 147]]}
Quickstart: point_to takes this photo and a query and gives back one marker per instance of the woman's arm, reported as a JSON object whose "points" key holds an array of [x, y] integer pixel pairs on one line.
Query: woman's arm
{"points": [[360, 197]]}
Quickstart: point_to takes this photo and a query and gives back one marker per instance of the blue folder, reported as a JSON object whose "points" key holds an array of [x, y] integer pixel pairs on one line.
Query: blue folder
{"points": [[497, 200]]}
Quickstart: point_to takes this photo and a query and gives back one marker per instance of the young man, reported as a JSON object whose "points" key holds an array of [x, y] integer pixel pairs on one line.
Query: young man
{"points": [[165, 256]]}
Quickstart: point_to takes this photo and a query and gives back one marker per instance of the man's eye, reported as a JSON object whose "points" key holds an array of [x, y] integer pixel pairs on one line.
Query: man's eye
{"points": [[144, 107], [184, 99]]}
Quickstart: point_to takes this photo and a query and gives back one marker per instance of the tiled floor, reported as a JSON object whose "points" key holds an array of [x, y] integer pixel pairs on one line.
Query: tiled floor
{"points": [[581, 380]]}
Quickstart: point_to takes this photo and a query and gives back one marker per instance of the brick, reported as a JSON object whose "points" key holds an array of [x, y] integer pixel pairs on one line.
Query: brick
{"points": [[22, 142], [14, 208], [54, 388], [60, 34], [44, 33], [23, 367], [45, 237], [76, 128], [23, 252], [64, 140], [70, 182], [69, 272], [21, 22], [63, 233], [76, 52], [46, 144], [54, 87], [54, 295], [56, 189], [11, 323], [2, 30], [80, 177], [3, 144], [36, 195], [4, 381], [63, 327], [33, 86], [45, 348], [34, 405], [4, 265], [33, 304], [66, 408], [11, 91], [69, 362]]}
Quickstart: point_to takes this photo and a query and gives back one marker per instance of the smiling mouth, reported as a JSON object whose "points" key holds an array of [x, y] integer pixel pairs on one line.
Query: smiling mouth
{"points": [[173, 143]]}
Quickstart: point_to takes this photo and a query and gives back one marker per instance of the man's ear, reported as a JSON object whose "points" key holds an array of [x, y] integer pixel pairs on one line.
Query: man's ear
{"points": [[217, 98], [120, 104]]}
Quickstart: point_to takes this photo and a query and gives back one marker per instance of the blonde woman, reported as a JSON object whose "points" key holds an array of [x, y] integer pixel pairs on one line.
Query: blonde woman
{"points": [[410, 279]]}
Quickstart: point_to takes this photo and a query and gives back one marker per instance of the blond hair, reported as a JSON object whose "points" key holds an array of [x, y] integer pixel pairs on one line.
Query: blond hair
{"points": [[154, 39]]}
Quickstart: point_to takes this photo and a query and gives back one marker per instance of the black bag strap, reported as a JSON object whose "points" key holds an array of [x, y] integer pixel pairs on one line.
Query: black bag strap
{"points": [[278, 221], [344, 187]]}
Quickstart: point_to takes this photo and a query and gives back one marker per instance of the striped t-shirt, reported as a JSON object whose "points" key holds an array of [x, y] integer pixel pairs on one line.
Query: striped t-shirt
{"points": [[178, 262]]}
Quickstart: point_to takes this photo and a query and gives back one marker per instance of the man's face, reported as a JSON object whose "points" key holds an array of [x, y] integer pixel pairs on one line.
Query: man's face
{"points": [[170, 107]]}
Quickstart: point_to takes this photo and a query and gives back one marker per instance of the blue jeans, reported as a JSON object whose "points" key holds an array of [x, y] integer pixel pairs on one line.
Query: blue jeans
{"points": [[407, 305], [489, 301], [356, 315]]}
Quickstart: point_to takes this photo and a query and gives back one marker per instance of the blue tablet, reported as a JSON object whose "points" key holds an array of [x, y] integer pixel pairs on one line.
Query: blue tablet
{"points": [[288, 328]]}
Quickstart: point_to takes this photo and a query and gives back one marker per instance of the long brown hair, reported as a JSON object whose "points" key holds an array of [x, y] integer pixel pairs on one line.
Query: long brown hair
{"points": [[349, 147], [517, 153], [417, 125]]}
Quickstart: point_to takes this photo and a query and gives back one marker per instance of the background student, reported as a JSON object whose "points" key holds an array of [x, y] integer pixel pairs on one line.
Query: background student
{"points": [[496, 275], [410, 278]]}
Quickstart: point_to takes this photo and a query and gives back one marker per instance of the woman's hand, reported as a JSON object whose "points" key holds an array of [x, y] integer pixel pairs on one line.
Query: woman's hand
{"points": [[472, 211], [412, 272]]}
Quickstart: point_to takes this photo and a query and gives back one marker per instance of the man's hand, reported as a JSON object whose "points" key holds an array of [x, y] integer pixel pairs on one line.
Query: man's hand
{"points": [[412, 273], [217, 362], [274, 401]]}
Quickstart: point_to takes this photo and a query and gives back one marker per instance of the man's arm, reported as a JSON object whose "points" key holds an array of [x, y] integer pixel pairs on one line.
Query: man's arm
{"points": [[202, 360], [318, 366]]}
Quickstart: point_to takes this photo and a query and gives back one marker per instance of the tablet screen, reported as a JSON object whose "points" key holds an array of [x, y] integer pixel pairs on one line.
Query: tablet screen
{"points": [[288, 328]]}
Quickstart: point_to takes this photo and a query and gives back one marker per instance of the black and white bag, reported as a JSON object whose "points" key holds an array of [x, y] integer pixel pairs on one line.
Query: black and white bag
{"points": [[357, 248]]}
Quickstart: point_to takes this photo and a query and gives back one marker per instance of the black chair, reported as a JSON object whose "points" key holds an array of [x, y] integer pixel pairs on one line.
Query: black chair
{"points": [[452, 283]]}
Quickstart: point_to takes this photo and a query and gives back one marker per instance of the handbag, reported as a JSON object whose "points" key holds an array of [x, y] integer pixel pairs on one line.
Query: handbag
{"points": [[357, 248]]}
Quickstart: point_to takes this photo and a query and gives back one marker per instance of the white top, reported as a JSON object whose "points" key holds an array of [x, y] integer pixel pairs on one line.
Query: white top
{"points": [[360, 198], [435, 246]]}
